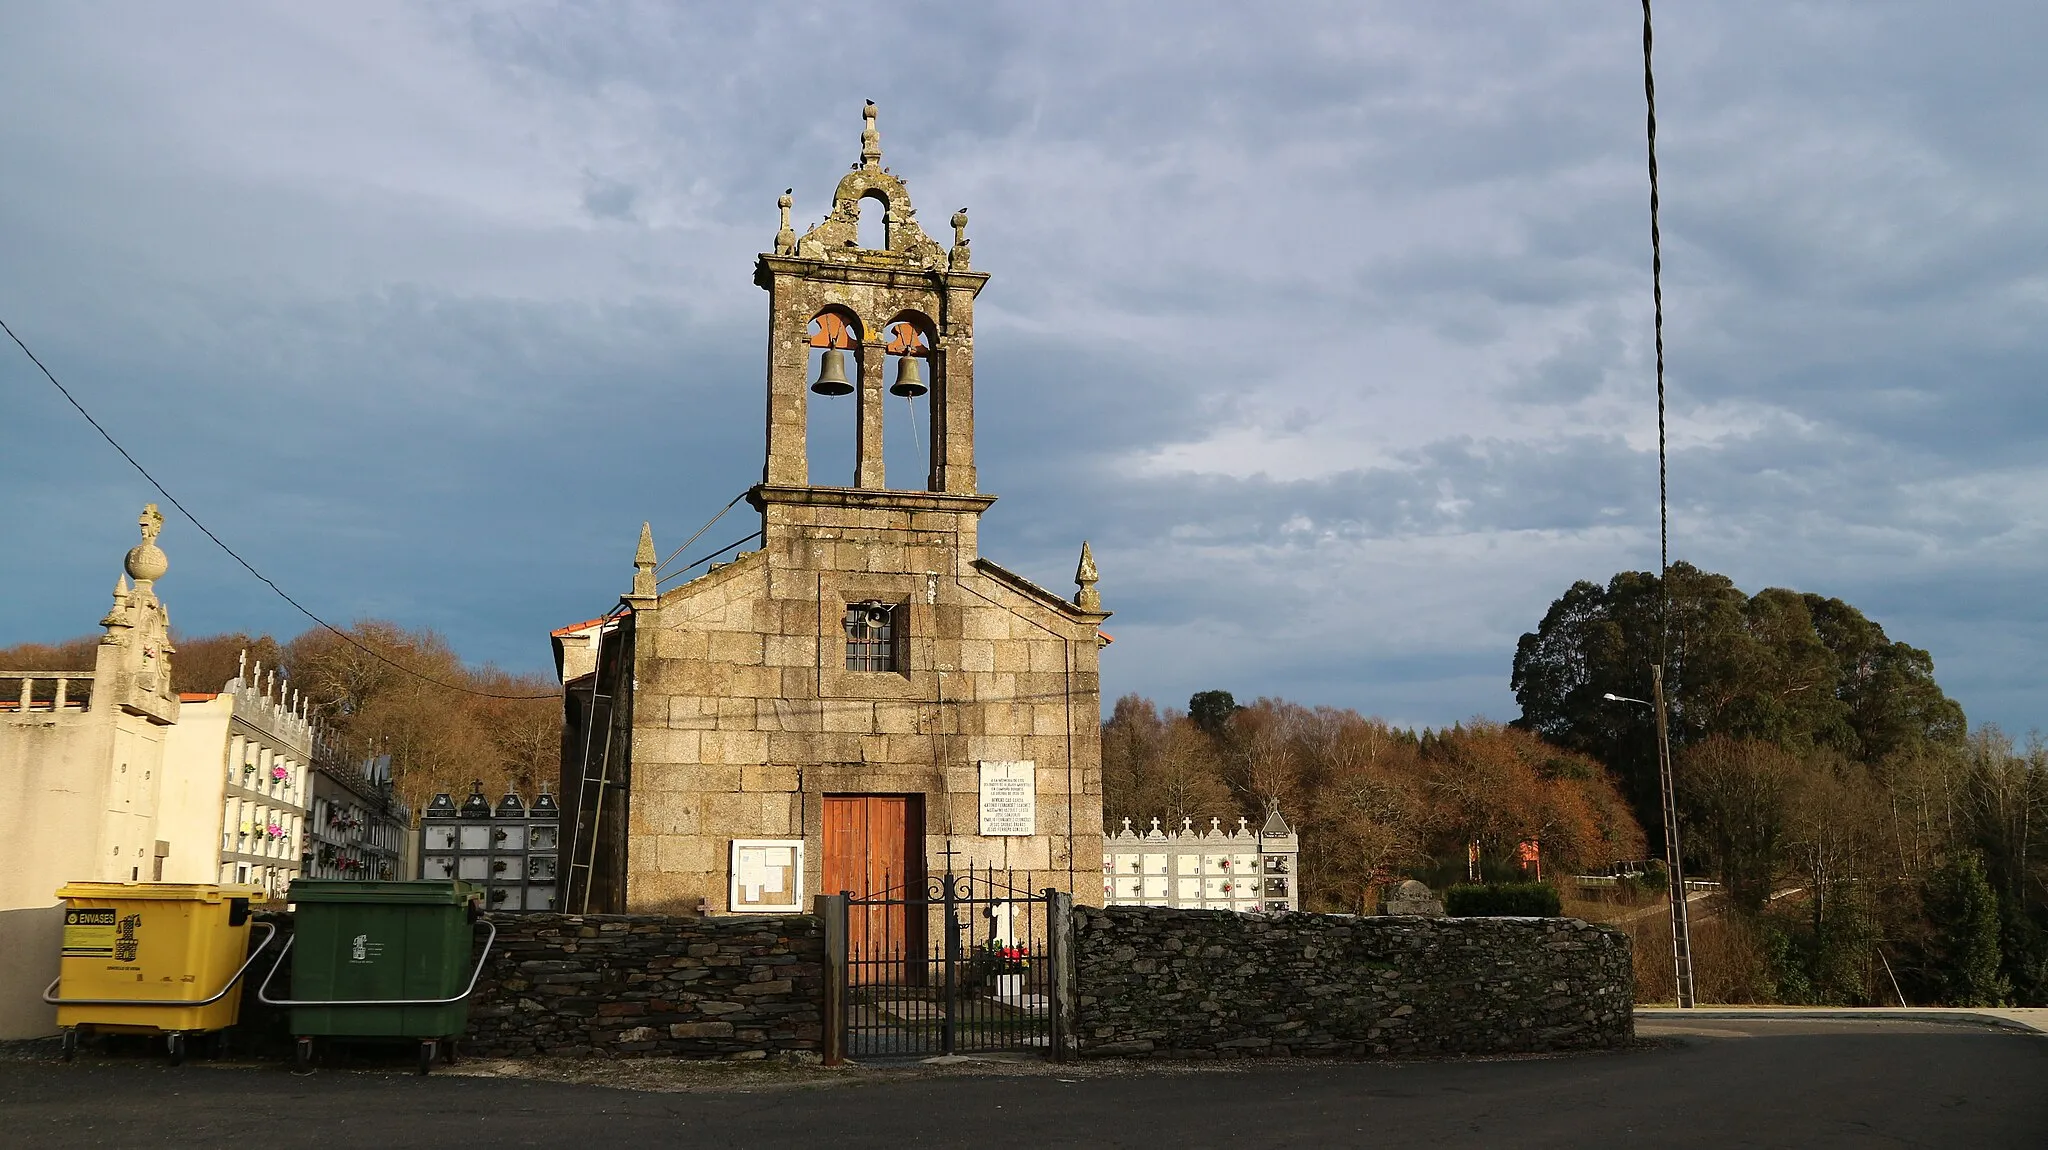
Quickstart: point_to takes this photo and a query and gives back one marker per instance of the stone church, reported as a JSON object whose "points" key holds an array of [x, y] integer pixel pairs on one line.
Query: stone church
{"points": [[864, 701]]}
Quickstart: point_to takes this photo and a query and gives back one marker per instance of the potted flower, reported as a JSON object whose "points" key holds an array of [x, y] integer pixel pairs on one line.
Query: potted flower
{"points": [[277, 773], [1001, 964]]}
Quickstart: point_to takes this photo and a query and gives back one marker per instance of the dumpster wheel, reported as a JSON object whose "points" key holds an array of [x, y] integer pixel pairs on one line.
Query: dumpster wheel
{"points": [[448, 1051], [302, 1056], [70, 1048], [175, 1040], [427, 1052]]}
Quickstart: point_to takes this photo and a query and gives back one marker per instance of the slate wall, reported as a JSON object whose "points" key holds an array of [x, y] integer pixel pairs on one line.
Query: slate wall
{"points": [[1206, 984], [584, 985]]}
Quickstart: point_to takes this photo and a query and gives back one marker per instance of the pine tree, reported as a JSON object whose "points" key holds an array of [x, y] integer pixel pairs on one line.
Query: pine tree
{"points": [[1964, 956]]}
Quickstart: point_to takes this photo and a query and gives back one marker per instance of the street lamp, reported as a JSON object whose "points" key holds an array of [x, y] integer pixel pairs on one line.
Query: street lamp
{"points": [[1674, 870]]}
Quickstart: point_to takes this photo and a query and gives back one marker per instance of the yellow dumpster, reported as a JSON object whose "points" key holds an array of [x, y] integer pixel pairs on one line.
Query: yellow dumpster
{"points": [[152, 958]]}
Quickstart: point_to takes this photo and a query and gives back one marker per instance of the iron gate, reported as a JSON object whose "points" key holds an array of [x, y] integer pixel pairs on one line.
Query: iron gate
{"points": [[960, 964]]}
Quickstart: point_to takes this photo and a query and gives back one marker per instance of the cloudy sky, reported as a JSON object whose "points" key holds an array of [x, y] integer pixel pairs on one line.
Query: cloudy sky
{"points": [[1328, 324]]}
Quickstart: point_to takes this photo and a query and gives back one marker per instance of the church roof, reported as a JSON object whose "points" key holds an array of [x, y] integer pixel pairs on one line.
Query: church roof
{"points": [[573, 628]]}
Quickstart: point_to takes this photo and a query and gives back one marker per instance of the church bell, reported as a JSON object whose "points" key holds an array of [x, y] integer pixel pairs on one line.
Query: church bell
{"points": [[909, 378], [832, 374]]}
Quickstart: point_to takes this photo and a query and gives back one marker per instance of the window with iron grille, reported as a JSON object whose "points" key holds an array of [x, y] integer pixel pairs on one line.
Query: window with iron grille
{"points": [[870, 636]]}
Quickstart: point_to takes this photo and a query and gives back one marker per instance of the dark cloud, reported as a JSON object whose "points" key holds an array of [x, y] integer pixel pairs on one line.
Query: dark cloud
{"points": [[1327, 323]]}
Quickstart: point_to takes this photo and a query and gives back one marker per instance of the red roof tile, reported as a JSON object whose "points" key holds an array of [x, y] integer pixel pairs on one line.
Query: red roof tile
{"points": [[572, 628]]}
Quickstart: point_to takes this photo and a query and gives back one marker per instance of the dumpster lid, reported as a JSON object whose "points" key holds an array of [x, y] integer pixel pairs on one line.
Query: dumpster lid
{"points": [[169, 891], [427, 891]]}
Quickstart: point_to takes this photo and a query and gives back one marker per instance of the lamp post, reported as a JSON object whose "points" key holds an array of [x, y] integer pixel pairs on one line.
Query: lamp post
{"points": [[1674, 868]]}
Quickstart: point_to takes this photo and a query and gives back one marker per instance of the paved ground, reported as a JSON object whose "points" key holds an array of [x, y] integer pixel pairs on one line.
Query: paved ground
{"points": [[1700, 1082]]}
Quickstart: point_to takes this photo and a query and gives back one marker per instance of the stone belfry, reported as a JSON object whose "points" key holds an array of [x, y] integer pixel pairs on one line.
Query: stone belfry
{"points": [[909, 300], [864, 699]]}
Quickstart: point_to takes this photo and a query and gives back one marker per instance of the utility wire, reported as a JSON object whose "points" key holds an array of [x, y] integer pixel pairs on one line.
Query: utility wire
{"points": [[1657, 296], [708, 555], [208, 532], [1681, 928], [700, 533]]}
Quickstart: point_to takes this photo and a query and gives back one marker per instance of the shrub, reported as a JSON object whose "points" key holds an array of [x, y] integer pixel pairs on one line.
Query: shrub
{"points": [[1505, 899]]}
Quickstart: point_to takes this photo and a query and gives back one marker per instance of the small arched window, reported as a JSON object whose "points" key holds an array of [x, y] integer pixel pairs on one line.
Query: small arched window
{"points": [[875, 223], [907, 437], [831, 434]]}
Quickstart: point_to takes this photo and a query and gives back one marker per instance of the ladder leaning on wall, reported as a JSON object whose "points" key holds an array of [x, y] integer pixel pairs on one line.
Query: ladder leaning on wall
{"points": [[595, 781]]}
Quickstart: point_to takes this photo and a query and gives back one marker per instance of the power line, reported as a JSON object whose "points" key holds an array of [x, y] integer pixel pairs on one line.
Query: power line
{"points": [[1681, 925], [710, 555], [1657, 298], [700, 533], [206, 531]]}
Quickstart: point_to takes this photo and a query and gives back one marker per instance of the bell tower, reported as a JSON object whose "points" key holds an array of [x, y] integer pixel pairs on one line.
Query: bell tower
{"points": [[910, 301], [835, 703]]}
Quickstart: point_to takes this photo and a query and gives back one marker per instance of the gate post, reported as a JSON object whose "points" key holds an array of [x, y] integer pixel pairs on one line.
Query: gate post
{"points": [[831, 911], [1059, 938], [948, 1028]]}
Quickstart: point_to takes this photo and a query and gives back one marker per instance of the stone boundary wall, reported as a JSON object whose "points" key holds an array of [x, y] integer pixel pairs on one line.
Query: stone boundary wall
{"points": [[1214, 984], [632, 985]]}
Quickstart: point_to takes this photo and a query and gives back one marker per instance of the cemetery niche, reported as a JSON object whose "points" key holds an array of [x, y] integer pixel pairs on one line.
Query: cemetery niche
{"points": [[510, 850], [1211, 868]]}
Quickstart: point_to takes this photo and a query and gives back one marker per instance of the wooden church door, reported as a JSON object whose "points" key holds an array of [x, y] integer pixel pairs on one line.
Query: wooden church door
{"points": [[874, 850]]}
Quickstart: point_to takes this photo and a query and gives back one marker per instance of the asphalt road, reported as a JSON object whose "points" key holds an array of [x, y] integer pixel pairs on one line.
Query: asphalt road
{"points": [[1705, 1083]]}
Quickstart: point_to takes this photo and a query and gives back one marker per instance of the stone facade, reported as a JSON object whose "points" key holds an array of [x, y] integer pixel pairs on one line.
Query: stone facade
{"points": [[651, 985], [1213, 984], [245, 757], [742, 709]]}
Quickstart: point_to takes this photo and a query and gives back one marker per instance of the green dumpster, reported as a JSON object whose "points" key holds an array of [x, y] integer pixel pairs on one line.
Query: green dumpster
{"points": [[382, 960]]}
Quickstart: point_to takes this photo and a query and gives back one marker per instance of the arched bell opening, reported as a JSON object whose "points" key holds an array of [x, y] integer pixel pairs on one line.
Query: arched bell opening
{"points": [[907, 426], [831, 414], [872, 225]]}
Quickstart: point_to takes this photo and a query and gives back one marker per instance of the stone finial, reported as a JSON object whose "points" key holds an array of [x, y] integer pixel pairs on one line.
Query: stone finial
{"points": [[785, 239], [117, 616], [643, 564], [1086, 598], [961, 258], [242, 665], [146, 561], [870, 138]]}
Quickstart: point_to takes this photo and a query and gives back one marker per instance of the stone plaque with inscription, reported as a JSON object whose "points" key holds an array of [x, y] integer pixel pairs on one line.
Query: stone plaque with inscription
{"points": [[1009, 798]]}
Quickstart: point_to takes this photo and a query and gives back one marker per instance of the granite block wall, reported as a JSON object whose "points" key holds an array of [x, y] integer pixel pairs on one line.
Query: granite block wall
{"points": [[1210, 984]]}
